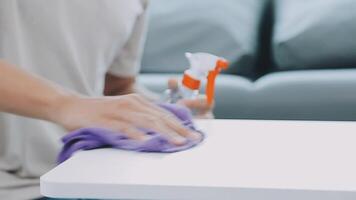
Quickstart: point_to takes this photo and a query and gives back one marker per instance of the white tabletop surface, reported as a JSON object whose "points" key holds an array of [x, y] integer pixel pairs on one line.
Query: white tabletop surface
{"points": [[239, 159]]}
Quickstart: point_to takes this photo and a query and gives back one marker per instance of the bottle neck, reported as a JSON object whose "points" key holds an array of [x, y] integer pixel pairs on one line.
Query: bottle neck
{"points": [[188, 93]]}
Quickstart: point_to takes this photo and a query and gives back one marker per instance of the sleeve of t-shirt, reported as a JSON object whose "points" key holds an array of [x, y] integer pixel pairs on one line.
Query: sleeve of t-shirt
{"points": [[128, 62]]}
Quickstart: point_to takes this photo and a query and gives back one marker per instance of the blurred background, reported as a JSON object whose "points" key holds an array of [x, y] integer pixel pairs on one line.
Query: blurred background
{"points": [[291, 59]]}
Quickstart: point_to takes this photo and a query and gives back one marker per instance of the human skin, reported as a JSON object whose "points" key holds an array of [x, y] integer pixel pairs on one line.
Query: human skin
{"points": [[26, 94]]}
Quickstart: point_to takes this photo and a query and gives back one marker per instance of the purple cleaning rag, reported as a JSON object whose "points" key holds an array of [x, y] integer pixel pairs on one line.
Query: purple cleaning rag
{"points": [[93, 138]]}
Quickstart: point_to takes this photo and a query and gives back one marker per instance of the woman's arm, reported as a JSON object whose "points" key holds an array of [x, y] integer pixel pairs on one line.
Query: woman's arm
{"points": [[28, 95], [25, 94]]}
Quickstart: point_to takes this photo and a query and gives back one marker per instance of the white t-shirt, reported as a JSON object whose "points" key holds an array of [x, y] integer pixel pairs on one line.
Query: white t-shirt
{"points": [[73, 43]]}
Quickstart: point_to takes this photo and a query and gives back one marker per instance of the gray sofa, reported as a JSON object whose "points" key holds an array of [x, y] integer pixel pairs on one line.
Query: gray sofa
{"points": [[259, 85]]}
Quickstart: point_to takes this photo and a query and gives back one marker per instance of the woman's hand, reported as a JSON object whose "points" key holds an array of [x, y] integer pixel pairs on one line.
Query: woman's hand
{"points": [[122, 113], [199, 105]]}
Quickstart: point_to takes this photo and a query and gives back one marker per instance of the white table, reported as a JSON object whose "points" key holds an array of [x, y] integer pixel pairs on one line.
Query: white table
{"points": [[240, 159]]}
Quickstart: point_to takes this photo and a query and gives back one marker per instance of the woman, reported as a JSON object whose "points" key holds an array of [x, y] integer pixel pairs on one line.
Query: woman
{"points": [[63, 55]]}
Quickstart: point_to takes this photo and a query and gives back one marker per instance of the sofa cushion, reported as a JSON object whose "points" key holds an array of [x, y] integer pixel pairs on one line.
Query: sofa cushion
{"points": [[315, 34], [226, 28]]}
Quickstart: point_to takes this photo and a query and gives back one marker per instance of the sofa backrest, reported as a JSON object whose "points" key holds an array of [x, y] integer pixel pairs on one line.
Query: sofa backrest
{"points": [[226, 28], [257, 36]]}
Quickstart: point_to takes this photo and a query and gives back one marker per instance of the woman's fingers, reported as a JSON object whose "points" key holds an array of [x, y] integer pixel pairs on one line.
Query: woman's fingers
{"points": [[176, 126], [127, 129], [143, 118], [167, 118], [134, 133], [173, 123], [141, 113], [171, 135], [156, 124]]}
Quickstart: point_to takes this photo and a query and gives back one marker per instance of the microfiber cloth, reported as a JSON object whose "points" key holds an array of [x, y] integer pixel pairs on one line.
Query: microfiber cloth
{"points": [[93, 138]]}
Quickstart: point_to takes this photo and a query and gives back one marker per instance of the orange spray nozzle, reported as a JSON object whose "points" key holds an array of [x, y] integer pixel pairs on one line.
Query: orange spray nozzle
{"points": [[210, 86]]}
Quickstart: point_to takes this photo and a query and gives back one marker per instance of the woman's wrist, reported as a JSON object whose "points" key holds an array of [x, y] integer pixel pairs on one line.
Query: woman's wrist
{"points": [[59, 105]]}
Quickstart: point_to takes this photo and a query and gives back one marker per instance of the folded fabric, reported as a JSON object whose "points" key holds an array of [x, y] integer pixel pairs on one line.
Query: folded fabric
{"points": [[93, 138]]}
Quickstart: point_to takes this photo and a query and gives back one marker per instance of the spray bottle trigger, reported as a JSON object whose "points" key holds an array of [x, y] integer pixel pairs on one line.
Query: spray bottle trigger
{"points": [[210, 87]]}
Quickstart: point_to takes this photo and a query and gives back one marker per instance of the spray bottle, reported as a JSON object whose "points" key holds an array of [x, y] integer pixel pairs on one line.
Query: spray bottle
{"points": [[202, 65]]}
